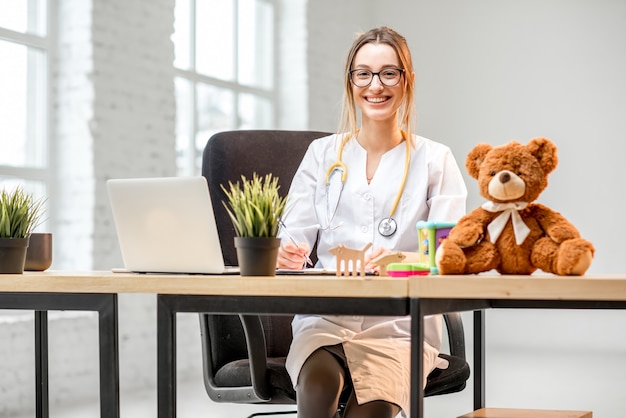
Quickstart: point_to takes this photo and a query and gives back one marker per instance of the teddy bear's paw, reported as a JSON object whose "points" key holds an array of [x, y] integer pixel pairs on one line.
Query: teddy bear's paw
{"points": [[450, 258], [575, 256], [482, 257], [583, 264]]}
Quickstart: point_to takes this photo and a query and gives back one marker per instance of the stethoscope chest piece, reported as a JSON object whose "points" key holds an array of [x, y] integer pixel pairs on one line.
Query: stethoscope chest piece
{"points": [[387, 227]]}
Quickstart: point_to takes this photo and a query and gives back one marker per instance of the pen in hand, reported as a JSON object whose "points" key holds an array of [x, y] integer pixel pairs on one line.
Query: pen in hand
{"points": [[292, 239]]}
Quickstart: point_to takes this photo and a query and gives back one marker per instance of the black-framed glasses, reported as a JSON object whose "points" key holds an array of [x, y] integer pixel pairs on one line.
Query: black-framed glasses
{"points": [[388, 76]]}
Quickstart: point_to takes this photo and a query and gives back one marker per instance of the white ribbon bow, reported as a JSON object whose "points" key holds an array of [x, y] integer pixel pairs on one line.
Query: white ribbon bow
{"points": [[509, 210]]}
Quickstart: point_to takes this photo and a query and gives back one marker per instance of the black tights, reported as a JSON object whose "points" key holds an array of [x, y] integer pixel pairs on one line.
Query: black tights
{"points": [[320, 384]]}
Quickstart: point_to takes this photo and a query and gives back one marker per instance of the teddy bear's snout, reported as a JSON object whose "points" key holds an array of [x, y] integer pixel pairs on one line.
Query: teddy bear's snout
{"points": [[506, 186]]}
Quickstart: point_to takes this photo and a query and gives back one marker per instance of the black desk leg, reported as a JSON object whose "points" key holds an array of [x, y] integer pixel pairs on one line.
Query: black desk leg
{"points": [[479, 359], [417, 359], [109, 357], [41, 364], [166, 359]]}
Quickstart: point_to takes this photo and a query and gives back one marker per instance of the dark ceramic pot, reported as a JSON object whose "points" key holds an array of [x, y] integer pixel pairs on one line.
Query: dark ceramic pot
{"points": [[13, 255], [39, 253], [257, 256]]}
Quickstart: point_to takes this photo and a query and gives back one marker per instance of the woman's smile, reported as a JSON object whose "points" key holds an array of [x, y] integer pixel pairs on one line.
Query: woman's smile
{"points": [[377, 99]]}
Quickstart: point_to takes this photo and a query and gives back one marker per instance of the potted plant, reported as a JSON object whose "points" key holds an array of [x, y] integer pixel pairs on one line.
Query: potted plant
{"points": [[255, 207], [19, 216]]}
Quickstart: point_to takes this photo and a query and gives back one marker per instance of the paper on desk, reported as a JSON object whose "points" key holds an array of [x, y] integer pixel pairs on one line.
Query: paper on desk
{"points": [[316, 271]]}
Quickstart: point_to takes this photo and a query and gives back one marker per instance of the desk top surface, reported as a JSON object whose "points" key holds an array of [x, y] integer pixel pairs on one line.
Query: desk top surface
{"points": [[534, 287], [283, 285]]}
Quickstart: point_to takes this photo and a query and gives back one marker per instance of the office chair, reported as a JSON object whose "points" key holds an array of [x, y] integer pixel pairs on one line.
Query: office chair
{"points": [[244, 356]]}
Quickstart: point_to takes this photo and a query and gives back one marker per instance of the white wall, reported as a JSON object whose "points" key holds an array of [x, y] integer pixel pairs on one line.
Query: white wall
{"points": [[494, 71], [331, 27]]}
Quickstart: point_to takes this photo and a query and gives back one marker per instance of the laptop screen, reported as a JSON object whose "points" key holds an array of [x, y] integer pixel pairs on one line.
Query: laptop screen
{"points": [[166, 225]]}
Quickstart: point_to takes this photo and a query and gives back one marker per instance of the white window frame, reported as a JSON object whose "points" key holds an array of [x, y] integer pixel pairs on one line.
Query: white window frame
{"points": [[42, 174], [44, 43], [191, 153]]}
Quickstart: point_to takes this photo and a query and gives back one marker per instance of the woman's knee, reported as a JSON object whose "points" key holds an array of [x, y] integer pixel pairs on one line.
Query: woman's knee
{"points": [[321, 379]]}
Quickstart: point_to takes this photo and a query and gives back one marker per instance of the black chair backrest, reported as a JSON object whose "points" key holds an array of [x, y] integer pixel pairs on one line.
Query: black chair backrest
{"points": [[229, 155]]}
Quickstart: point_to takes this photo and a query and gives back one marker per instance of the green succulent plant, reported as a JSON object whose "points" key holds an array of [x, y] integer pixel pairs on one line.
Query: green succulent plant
{"points": [[254, 206], [20, 213]]}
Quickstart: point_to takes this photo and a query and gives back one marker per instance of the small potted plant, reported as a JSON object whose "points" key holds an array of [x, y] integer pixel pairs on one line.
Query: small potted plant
{"points": [[255, 207], [20, 214]]}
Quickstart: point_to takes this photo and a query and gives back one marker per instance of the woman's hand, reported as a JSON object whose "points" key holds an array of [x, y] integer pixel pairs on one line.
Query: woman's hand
{"points": [[291, 256], [370, 265]]}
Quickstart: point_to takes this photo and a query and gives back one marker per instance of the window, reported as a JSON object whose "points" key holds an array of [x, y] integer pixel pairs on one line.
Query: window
{"points": [[24, 48], [224, 72]]}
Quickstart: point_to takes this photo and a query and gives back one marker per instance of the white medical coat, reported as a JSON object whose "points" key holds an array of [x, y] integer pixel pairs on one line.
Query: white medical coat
{"points": [[377, 348]]}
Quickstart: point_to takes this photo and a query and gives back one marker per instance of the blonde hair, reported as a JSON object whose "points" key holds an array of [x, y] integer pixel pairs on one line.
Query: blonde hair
{"points": [[380, 35]]}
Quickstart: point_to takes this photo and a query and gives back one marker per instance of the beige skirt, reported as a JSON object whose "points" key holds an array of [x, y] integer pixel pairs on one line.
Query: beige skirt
{"points": [[379, 368]]}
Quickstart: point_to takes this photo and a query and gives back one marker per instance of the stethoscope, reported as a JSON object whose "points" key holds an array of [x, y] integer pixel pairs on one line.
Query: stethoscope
{"points": [[387, 226]]}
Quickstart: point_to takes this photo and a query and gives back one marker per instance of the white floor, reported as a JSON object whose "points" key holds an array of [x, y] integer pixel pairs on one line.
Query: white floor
{"points": [[515, 380], [192, 401], [582, 375]]}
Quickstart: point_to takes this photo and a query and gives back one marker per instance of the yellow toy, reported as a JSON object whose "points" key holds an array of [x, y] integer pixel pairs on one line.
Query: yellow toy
{"points": [[430, 235]]}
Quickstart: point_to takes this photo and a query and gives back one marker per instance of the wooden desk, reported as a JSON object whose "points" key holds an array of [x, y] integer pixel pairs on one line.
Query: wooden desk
{"points": [[288, 294], [185, 293], [439, 294], [274, 295], [43, 292]]}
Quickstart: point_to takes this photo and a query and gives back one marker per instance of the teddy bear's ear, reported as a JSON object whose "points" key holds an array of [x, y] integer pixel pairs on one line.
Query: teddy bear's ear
{"points": [[475, 158], [544, 151]]}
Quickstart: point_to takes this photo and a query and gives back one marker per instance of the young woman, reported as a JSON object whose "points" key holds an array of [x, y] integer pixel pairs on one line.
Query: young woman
{"points": [[369, 184]]}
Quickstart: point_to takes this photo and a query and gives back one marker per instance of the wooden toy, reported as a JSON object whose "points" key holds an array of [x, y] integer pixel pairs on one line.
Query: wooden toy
{"points": [[384, 260], [350, 261]]}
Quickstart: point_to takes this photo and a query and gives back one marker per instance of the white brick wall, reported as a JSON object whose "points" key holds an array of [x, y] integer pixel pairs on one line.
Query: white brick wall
{"points": [[128, 131], [17, 368], [114, 116], [73, 112]]}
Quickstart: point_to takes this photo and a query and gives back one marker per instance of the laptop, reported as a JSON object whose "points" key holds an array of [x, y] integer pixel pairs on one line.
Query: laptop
{"points": [[166, 225]]}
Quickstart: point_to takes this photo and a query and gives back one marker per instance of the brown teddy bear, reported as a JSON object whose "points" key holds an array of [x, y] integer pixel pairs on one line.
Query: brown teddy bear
{"points": [[509, 233]]}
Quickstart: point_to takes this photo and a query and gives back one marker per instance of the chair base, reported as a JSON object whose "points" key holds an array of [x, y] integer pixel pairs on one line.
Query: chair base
{"points": [[525, 413], [340, 410], [260, 414]]}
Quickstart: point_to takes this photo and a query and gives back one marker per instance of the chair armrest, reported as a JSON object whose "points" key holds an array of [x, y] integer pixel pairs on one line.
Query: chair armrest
{"points": [[258, 391], [257, 355], [456, 334]]}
